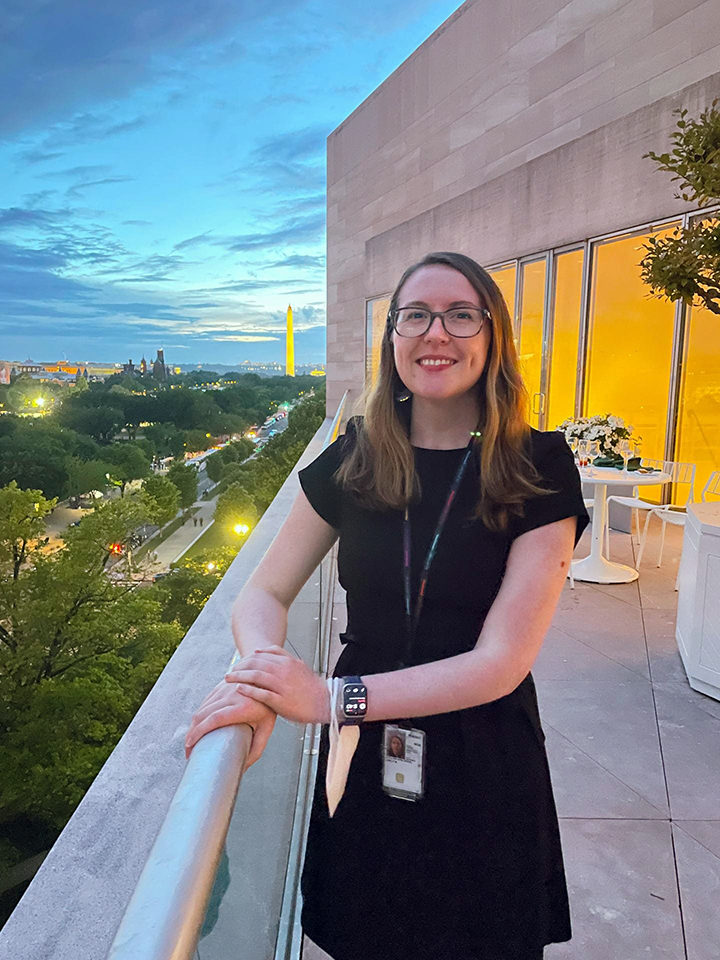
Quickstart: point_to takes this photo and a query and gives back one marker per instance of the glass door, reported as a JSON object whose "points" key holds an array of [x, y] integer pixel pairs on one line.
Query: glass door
{"points": [[629, 346], [698, 422], [532, 294], [564, 337]]}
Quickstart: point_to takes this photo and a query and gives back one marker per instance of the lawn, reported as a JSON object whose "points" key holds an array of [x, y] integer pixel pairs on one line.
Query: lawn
{"points": [[215, 537], [154, 542]]}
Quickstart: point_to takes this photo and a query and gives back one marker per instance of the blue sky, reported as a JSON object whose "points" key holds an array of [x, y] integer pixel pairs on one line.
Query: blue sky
{"points": [[163, 169]]}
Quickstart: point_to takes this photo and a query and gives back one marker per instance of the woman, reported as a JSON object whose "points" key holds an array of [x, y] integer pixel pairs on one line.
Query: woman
{"points": [[471, 868]]}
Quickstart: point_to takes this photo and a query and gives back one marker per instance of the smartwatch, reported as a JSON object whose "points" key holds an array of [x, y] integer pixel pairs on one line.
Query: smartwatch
{"points": [[352, 702]]}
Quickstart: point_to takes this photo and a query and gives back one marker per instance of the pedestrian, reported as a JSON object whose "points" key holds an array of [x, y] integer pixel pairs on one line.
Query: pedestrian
{"points": [[433, 833], [194, 521], [201, 521]]}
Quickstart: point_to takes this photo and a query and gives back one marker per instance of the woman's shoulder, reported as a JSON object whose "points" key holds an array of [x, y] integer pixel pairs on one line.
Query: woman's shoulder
{"points": [[318, 478], [544, 445]]}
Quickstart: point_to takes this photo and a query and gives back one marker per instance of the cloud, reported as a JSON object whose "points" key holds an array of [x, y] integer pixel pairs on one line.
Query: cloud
{"points": [[72, 173], [298, 260], [248, 338], [60, 57], [306, 143], [13, 217], [289, 162], [137, 223], [38, 156], [281, 100], [76, 190], [249, 286], [300, 230], [193, 241]]}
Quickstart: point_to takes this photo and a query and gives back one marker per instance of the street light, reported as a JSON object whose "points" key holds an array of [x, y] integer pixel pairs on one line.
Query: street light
{"points": [[241, 529], [210, 567]]}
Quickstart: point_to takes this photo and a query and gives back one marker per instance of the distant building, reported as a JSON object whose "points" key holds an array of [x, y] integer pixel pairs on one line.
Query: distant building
{"points": [[143, 367], [61, 371], [160, 371], [129, 369]]}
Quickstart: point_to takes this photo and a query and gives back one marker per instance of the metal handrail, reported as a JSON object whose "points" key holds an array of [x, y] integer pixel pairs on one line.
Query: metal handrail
{"points": [[166, 911], [289, 935]]}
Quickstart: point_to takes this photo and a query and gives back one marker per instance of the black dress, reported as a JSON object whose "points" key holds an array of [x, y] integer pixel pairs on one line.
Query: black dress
{"points": [[474, 870]]}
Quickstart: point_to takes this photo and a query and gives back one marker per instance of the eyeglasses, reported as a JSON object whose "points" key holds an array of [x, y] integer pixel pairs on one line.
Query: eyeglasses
{"points": [[458, 322]]}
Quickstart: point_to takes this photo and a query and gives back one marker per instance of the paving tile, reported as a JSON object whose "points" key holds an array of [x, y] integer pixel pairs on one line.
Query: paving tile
{"points": [[623, 892], [663, 653], [690, 735], [606, 624], [564, 657], [697, 851], [584, 788], [614, 725]]}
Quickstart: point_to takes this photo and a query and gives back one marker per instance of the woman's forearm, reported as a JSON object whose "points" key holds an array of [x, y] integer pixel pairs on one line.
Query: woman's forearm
{"points": [[258, 620], [456, 683]]}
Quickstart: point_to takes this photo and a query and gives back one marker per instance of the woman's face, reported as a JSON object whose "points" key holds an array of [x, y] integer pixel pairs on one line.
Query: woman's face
{"points": [[396, 746], [437, 288]]}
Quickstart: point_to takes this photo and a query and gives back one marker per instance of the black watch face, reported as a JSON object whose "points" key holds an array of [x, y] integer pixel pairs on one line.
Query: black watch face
{"points": [[354, 700]]}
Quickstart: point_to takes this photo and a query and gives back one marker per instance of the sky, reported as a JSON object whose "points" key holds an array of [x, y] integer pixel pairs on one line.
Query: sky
{"points": [[162, 169]]}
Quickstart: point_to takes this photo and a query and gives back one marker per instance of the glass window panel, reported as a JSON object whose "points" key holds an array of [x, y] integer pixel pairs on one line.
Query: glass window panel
{"points": [[698, 430], [629, 346], [565, 337], [504, 277], [375, 319], [532, 312]]}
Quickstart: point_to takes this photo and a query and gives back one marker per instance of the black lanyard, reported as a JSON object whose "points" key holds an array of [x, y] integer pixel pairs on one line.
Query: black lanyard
{"points": [[411, 620]]}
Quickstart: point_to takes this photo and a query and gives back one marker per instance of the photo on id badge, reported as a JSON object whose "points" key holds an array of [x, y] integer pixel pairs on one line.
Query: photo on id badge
{"points": [[403, 753]]}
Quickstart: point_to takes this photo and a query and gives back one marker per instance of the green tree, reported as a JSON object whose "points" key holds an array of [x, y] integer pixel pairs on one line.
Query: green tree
{"points": [[214, 466], [35, 455], [77, 654], [22, 524], [164, 499], [127, 463], [97, 422], [166, 439], [197, 441], [185, 479], [86, 475], [684, 264], [236, 505], [186, 591]]}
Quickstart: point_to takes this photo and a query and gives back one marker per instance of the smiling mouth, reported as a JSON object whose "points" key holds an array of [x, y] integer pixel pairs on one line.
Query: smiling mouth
{"points": [[436, 363]]}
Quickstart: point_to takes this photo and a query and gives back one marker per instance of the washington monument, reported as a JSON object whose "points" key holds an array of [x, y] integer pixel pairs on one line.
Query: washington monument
{"points": [[290, 346]]}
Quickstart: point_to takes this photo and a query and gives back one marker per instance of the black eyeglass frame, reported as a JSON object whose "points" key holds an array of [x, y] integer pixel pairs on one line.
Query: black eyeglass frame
{"points": [[392, 317]]}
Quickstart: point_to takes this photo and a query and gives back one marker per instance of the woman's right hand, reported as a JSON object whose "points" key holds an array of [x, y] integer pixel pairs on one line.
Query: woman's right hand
{"points": [[224, 706]]}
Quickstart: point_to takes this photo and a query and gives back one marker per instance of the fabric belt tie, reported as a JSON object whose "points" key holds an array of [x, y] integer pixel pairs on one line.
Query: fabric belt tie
{"points": [[343, 743]]}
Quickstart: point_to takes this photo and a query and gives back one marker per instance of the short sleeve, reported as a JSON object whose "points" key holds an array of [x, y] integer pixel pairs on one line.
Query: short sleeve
{"points": [[318, 478], [556, 466]]}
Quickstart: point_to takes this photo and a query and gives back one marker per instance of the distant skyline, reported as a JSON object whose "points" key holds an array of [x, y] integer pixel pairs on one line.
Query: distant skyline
{"points": [[163, 170]]}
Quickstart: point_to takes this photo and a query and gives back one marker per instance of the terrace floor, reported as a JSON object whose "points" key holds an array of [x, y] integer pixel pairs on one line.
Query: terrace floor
{"points": [[635, 761]]}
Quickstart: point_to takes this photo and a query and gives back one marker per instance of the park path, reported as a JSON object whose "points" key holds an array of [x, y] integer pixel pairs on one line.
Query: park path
{"points": [[181, 539]]}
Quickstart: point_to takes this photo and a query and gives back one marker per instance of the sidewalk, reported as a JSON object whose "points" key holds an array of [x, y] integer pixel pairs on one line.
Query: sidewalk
{"points": [[634, 756], [177, 544]]}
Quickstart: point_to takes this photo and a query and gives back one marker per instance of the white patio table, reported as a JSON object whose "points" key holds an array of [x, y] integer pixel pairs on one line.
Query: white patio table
{"points": [[595, 568]]}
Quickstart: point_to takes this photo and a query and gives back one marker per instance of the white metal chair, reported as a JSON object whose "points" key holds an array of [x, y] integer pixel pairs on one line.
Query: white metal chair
{"points": [[680, 473], [635, 502], [712, 487]]}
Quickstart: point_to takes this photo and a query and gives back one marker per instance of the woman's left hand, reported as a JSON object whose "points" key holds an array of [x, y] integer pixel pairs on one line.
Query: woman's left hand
{"points": [[284, 683]]}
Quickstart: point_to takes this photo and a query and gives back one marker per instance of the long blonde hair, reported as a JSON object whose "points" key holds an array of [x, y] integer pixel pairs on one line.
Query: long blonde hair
{"points": [[380, 468]]}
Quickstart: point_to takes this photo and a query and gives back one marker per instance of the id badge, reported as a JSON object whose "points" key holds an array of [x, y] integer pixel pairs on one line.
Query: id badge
{"points": [[403, 753]]}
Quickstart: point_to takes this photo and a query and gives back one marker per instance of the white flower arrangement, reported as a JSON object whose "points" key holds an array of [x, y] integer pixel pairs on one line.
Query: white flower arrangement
{"points": [[607, 430]]}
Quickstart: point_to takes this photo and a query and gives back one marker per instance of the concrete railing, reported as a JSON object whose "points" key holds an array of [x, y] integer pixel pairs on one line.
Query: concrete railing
{"points": [[132, 873]]}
